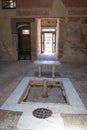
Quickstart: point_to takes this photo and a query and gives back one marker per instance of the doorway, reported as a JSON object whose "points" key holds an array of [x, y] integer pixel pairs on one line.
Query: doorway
{"points": [[24, 41], [48, 41]]}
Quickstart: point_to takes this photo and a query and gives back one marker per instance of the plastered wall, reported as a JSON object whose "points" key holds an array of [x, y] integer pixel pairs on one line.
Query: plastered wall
{"points": [[72, 39]]}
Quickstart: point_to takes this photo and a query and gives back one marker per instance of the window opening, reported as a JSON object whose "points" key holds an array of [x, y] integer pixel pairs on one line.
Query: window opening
{"points": [[48, 29], [8, 4], [25, 32]]}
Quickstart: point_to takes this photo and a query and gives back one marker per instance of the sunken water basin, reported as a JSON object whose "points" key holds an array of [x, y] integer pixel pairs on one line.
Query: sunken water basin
{"points": [[58, 93], [45, 91], [42, 100]]}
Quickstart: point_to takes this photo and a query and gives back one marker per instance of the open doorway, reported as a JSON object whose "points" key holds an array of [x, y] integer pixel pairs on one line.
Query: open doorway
{"points": [[48, 40], [48, 43]]}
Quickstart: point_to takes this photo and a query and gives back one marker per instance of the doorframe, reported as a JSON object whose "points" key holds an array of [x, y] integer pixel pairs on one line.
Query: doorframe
{"points": [[43, 39], [19, 25]]}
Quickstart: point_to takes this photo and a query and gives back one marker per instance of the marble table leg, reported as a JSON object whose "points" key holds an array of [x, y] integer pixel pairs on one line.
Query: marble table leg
{"points": [[53, 71], [40, 70]]}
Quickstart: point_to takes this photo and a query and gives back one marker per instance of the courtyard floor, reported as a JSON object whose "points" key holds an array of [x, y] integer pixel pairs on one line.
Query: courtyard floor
{"points": [[11, 74]]}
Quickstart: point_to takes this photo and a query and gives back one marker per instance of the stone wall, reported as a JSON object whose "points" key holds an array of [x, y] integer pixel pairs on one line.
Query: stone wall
{"points": [[5, 39], [58, 9], [62, 37], [72, 40], [73, 46], [33, 40]]}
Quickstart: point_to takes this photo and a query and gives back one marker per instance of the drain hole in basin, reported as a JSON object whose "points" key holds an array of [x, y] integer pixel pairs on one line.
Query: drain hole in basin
{"points": [[42, 113]]}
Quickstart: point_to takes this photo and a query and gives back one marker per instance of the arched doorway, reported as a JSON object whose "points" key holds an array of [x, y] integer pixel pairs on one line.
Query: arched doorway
{"points": [[24, 41]]}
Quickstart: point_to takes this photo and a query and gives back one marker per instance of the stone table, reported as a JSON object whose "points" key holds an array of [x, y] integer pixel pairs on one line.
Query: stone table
{"points": [[41, 63]]}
